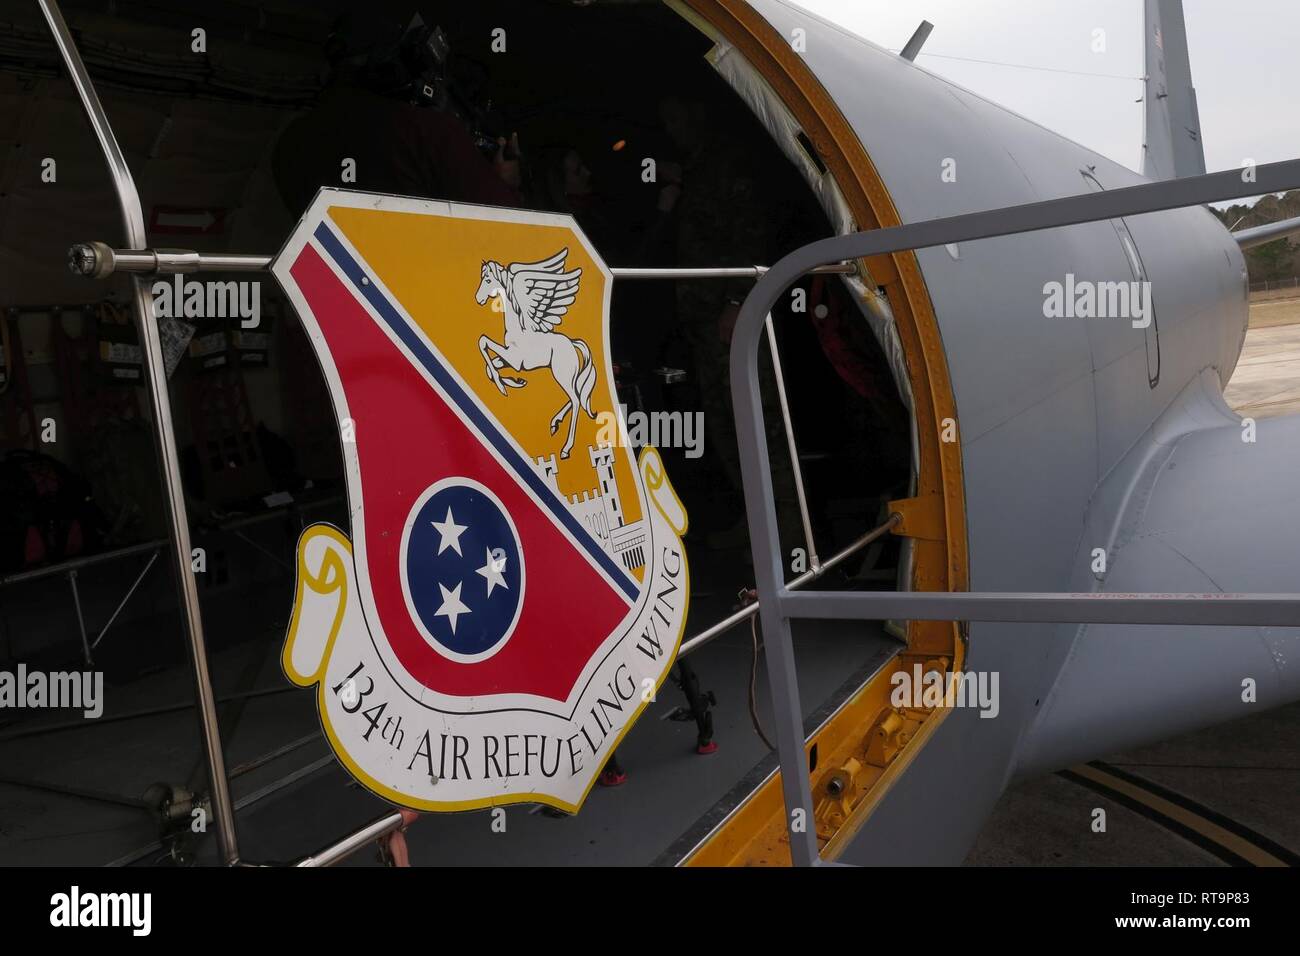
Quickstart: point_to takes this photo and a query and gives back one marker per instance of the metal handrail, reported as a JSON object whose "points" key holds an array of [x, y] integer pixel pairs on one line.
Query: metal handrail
{"points": [[357, 840], [812, 574], [98, 260], [128, 198], [778, 605], [801, 496]]}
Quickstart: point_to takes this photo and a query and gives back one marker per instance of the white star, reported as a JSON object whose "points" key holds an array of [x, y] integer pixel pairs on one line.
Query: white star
{"points": [[452, 607], [449, 533], [492, 571]]}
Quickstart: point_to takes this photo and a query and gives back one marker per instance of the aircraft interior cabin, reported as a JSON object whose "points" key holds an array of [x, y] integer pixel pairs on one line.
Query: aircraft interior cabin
{"points": [[668, 149]]}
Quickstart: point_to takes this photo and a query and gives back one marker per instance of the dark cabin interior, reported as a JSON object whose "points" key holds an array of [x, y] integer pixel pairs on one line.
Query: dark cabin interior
{"points": [[590, 90]]}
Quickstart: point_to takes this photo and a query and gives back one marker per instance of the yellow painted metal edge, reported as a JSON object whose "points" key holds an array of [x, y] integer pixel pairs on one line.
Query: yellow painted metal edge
{"points": [[939, 559]]}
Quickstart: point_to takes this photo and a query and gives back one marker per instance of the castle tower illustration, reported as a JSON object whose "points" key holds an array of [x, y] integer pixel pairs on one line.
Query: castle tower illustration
{"points": [[600, 510]]}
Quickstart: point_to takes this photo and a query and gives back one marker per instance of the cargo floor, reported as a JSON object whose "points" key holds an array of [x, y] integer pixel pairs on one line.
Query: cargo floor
{"points": [[72, 795]]}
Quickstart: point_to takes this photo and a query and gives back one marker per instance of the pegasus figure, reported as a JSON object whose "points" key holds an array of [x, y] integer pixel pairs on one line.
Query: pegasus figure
{"points": [[535, 297]]}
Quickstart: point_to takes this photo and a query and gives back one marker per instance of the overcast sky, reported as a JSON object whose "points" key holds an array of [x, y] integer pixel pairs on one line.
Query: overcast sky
{"points": [[1244, 55]]}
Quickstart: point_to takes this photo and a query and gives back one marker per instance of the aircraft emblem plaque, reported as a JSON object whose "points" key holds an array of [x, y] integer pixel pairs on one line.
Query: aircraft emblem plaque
{"points": [[513, 586]]}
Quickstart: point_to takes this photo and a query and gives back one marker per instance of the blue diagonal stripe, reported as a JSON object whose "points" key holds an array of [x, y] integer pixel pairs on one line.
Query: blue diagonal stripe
{"points": [[470, 410]]}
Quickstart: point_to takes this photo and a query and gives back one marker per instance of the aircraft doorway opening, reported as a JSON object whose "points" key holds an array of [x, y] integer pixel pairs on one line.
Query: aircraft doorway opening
{"points": [[621, 121], [663, 165], [614, 114]]}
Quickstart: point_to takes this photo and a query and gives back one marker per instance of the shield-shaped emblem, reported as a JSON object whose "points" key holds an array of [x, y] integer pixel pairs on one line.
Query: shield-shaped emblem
{"points": [[513, 586]]}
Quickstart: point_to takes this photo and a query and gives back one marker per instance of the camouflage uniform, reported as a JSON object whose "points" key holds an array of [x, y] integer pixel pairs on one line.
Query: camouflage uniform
{"points": [[723, 221]]}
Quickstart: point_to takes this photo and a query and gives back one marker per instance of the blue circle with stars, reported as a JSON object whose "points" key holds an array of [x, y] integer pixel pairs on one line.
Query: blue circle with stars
{"points": [[462, 569]]}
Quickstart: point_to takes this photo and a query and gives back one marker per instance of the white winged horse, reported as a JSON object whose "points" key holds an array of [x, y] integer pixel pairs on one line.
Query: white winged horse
{"points": [[534, 297]]}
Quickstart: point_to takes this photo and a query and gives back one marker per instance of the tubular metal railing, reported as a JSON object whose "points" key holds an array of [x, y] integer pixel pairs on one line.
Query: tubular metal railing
{"points": [[812, 574], [98, 260], [155, 369], [357, 840], [778, 604]]}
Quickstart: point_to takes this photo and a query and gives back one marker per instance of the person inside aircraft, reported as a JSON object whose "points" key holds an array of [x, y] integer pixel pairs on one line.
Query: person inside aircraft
{"points": [[876, 413], [613, 774], [721, 220], [390, 120], [625, 233], [565, 183]]}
